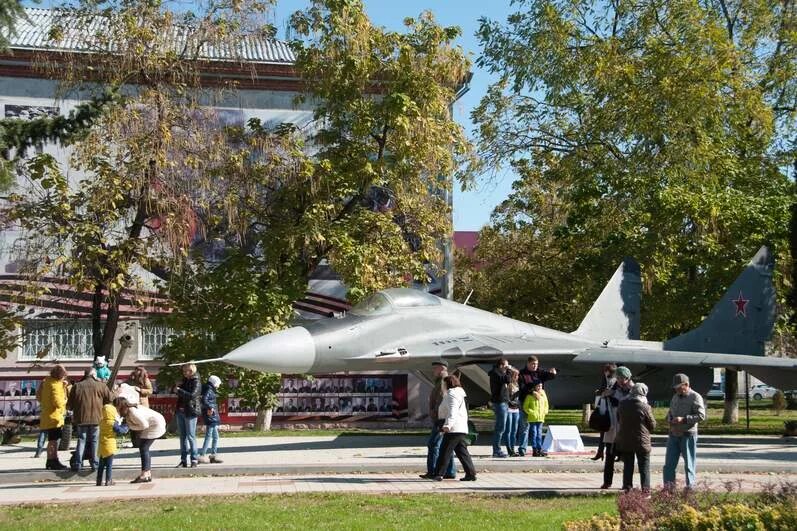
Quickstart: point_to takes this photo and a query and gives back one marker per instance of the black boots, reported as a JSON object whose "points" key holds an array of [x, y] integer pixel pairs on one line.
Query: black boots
{"points": [[55, 464]]}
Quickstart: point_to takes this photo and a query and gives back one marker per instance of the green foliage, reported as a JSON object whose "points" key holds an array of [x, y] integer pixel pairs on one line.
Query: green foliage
{"points": [[660, 130], [20, 135], [219, 307], [388, 148]]}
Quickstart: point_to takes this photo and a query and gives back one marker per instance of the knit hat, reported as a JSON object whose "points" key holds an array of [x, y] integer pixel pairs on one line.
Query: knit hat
{"points": [[679, 379], [215, 381], [536, 382], [442, 363], [639, 389], [623, 372]]}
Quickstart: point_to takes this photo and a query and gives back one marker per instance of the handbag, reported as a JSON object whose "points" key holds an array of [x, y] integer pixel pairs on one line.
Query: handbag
{"points": [[599, 419]]}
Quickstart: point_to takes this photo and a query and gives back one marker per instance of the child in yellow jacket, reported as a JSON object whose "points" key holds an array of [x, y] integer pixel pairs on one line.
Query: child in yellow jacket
{"points": [[110, 426], [535, 406]]}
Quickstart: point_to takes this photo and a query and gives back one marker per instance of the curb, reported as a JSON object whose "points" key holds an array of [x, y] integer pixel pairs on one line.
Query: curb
{"points": [[482, 466]]}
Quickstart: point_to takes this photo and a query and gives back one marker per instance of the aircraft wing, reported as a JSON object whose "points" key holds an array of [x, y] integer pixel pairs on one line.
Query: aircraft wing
{"points": [[779, 372], [469, 346]]}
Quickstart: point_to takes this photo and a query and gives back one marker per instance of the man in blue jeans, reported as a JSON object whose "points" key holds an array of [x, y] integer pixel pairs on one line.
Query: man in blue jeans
{"points": [[686, 410], [528, 374], [440, 371], [86, 399], [500, 376]]}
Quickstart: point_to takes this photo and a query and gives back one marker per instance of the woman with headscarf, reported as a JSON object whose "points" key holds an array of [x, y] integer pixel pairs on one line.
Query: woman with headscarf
{"points": [[617, 393], [633, 436]]}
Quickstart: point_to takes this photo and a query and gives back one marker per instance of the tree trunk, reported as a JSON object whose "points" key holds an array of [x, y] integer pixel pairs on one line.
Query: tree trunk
{"points": [[263, 420], [731, 414], [111, 323]]}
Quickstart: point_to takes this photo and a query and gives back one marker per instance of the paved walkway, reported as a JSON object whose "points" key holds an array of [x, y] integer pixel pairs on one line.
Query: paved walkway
{"points": [[395, 454], [487, 483]]}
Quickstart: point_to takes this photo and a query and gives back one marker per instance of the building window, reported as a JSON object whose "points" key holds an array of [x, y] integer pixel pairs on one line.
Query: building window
{"points": [[153, 338], [57, 340]]}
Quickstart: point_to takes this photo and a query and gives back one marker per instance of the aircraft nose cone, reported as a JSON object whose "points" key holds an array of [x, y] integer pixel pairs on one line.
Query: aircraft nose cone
{"points": [[288, 351]]}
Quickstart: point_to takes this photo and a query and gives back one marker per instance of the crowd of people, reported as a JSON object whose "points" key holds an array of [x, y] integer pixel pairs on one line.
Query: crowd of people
{"points": [[520, 405], [100, 416], [518, 400]]}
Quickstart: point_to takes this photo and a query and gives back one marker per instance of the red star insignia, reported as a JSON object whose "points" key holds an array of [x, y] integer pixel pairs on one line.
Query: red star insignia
{"points": [[741, 305]]}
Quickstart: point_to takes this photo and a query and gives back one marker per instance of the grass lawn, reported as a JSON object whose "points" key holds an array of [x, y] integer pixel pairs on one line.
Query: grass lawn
{"points": [[314, 511], [763, 421]]}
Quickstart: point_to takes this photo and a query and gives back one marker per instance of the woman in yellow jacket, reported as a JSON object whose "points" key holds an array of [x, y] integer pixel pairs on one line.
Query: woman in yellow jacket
{"points": [[52, 395], [535, 406]]}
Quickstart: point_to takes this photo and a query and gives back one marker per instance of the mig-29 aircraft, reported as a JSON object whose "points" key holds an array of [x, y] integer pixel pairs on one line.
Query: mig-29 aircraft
{"points": [[408, 329]]}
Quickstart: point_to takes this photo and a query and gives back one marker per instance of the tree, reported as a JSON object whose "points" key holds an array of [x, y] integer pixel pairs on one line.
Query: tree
{"points": [[388, 148], [366, 192], [661, 130], [143, 167]]}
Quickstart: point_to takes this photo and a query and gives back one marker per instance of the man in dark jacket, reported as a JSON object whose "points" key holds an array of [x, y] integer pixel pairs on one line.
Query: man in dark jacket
{"points": [[528, 374], [635, 422], [188, 408], [210, 415], [500, 376], [86, 400], [440, 371]]}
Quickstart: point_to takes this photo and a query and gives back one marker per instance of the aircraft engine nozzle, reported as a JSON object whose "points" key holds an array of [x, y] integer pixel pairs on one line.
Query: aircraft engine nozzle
{"points": [[290, 351]]}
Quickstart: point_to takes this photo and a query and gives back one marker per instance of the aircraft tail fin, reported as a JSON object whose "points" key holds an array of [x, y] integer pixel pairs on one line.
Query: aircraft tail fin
{"points": [[615, 314], [741, 322]]}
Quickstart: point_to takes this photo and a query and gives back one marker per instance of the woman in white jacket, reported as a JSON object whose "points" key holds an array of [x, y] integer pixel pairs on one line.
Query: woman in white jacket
{"points": [[455, 431], [148, 425]]}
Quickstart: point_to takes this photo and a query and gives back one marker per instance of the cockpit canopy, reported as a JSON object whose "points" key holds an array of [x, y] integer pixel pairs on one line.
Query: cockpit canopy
{"points": [[383, 302]]}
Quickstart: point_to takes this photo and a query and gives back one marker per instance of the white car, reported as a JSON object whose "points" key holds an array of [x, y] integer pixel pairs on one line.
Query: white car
{"points": [[759, 391], [716, 392]]}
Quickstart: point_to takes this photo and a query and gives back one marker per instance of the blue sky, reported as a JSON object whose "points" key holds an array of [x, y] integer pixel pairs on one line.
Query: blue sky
{"points": [[471, 208]]}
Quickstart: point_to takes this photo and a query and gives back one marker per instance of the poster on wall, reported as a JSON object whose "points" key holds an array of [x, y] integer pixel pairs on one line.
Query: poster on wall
{"points": [[18, 401], [351, 398], [30, 112]]}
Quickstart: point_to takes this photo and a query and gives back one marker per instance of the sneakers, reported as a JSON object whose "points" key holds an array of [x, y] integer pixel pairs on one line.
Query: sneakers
{"points": [[438, 478], [500, 455], [204, 459], [468, 478], [521, 453], [216, 460], [194, 464]]}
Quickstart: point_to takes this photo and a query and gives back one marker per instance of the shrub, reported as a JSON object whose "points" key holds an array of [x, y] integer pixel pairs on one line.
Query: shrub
{"points": [[602, 522], [773, 509]]}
